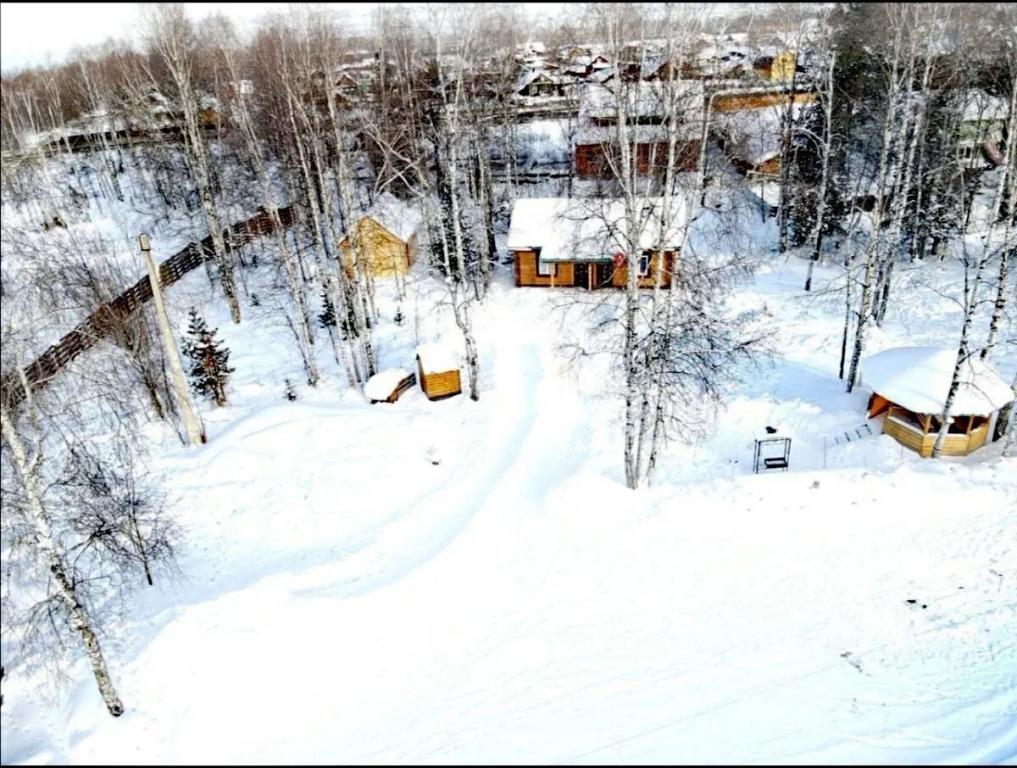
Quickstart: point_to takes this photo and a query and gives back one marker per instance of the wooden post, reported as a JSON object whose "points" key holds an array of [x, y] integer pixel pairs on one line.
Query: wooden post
{"points": [[195, 435]]}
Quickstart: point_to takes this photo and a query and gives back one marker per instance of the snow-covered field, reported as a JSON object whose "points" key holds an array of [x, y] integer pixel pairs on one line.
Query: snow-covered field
{"points": [[460, 582]]}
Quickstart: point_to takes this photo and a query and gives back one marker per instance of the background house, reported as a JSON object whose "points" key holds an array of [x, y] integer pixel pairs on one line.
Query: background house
{"points": [[981, 134], [597, 135]]}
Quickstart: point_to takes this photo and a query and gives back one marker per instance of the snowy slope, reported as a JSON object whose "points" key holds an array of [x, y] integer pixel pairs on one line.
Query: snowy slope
{"points": [[460, 582]]}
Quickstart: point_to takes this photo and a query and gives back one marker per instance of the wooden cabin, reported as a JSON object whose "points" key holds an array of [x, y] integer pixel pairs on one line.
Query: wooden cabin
{"points": [[438, 371], [909, 389], [567, 242], [386, 236]]}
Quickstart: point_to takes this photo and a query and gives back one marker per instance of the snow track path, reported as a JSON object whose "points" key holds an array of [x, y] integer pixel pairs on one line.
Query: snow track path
{"points": [[349, 601]]}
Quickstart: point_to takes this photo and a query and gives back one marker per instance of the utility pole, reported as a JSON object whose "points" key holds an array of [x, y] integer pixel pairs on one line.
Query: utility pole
{"points": [[195, 435]]}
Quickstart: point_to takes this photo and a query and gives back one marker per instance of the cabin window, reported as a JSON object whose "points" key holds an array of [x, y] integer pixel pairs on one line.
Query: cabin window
{"points": [[545, 268], [644, 264]]}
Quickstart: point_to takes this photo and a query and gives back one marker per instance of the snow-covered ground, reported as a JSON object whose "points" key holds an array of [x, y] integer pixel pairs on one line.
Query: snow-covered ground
{"points": [[460, 582]]}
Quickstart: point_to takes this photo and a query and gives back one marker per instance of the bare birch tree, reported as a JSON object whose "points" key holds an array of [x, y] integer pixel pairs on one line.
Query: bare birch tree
{"points": [[241, 113], [171, 39]]}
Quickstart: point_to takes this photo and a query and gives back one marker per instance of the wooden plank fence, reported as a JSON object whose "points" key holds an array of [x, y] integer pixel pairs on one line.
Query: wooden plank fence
{"points": [[102, 322]]}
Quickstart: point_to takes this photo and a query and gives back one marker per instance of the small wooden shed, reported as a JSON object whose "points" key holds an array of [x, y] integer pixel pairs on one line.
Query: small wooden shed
{"points": [[910, 385], [438, 370], [386, 237], [386, 386]]}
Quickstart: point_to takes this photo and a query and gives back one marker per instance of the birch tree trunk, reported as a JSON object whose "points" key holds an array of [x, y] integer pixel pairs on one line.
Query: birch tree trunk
{"points": [[255, 152], [872, 250], [29, 470], [904, 188], [195, 435], [817, 231], [171, 39], [998, 307], [963, 354], [1006, 424]]}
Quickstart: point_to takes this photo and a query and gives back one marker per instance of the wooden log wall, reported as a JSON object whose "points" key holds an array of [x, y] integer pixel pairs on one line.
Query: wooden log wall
{"points": [[104, 319]]}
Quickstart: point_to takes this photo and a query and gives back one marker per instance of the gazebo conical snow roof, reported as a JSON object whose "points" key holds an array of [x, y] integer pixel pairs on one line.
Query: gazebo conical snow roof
{"points": [[918, 378]]}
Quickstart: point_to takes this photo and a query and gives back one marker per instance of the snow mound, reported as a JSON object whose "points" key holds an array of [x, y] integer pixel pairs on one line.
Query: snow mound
{"points": [[437, 358], [383, 384], [918, 378]]}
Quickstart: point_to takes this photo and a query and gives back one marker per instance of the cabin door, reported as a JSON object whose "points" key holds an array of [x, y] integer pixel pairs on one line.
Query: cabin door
{"points": [[602, 275], [581, 275]]}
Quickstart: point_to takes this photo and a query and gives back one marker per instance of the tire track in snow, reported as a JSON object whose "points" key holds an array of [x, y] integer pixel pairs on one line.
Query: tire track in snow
{"points": [[399, 549]]}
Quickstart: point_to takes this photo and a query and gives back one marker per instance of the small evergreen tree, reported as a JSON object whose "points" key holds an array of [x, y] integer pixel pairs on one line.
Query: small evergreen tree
{"points": [[209, 360], [326, 318]]}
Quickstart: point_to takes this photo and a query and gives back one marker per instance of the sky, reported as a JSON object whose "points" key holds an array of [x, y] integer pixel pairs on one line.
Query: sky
{"points": [[33, 33]]}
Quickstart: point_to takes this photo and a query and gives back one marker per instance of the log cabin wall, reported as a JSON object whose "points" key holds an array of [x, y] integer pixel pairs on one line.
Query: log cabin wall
{"points": [[526, 271]]}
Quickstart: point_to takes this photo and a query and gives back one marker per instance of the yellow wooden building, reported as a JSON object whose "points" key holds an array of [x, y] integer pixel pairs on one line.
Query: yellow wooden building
{"points": [[780, 66], [438, 371], [909, 390], [385, 238]]}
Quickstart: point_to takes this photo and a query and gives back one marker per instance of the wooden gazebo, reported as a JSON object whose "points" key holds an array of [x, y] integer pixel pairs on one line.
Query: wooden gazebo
{"points": [[909, 389]]}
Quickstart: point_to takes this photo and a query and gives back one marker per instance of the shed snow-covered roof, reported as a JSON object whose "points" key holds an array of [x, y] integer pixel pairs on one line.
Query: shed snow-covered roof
{"points": [[436, 357], [395, 216], [590, 229], [383, 384], [918, 378]]}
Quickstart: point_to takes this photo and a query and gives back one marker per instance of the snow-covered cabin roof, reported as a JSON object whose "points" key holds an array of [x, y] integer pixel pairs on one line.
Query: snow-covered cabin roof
{"points": [[383, 384], [437, 358], [601, 75], [529, 76], [598, 108], [590, 229], [755, 134], [643, 100], [395, 215], [918, 378], [980, 106]]}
